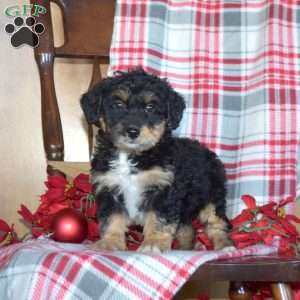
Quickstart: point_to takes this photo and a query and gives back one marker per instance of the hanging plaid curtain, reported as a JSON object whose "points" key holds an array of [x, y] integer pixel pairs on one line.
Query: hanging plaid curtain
{"points": [[237, 63]]}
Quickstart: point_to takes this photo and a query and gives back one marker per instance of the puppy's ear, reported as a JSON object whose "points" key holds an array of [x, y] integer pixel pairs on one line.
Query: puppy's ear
{"points": [[176, 106], [91, 104]]}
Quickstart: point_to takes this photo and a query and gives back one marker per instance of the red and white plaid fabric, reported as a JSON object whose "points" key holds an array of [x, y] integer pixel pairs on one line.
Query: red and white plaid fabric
{"points": [[237, 63], [45, 270]]}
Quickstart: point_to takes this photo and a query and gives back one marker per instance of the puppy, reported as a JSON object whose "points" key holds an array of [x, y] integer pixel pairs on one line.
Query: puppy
{"points": [[143, 175]]}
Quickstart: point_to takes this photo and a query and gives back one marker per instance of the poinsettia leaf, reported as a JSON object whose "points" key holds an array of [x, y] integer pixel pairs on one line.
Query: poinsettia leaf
{"points": [[267, 238], [72, 193], [292, 218], [257, 236], [135, 235], [55, 194], [277, 233], [57, 181], [240, 236], [249, 201], [286, 201], [82, 183], [91, 211], [197, 225], [203, 239], [4, 226], [243, 217], [269, 213], [43, 199], [93, 231], [26, 214], [56, 207], [261, 223], [289, 228], [277, 226], [268, 206]]}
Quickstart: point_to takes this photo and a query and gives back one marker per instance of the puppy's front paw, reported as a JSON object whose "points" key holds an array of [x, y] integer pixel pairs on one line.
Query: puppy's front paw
{"points": [[229, 248], [223, 243], [155, 245], [109, 244]]}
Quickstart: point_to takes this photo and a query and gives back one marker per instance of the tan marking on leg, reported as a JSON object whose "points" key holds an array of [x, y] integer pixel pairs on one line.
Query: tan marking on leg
{"points": [[113, 237], [208, 212], [219, 237], [215, 227], [157, 236], [185, 235]]}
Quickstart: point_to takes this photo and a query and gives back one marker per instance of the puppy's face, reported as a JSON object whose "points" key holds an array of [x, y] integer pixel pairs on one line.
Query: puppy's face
{"points": [[134, 119], [133, 109]]}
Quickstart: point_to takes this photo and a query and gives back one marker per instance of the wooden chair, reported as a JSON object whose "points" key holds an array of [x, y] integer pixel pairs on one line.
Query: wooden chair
{"points": [[83, 41]]}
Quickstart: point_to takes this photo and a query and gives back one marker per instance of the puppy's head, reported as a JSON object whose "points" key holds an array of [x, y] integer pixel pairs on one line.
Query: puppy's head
{"points": [[133, 109]]}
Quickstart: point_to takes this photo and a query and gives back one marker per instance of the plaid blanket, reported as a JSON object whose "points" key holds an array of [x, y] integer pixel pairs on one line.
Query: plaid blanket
{"points": [[43, 269], [237, 63]]}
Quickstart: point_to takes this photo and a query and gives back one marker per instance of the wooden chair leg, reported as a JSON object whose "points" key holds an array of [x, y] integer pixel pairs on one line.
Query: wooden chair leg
{"points": [[281, 291], [239, 291]]}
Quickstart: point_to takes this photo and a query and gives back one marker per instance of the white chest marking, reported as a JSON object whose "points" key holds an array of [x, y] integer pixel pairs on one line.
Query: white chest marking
{"points": [[131, 185], [128, 184], [120, 177]]}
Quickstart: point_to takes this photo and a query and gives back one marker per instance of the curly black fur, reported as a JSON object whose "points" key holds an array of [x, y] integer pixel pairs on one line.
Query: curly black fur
{"points": [[136, 81], [198, 175]]}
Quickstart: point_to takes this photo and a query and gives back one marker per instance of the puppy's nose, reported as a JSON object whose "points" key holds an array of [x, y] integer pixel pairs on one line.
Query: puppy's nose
{"points": [[133, 132]]}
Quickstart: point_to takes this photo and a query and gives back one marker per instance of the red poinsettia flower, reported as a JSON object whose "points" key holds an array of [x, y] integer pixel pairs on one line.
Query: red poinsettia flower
{"points": [[62, 194], [261, 224], [255, 224], [81, 182]]}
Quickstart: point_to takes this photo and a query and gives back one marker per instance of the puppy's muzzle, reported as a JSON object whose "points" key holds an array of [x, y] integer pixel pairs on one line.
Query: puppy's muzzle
{"points": [[133, 132]]}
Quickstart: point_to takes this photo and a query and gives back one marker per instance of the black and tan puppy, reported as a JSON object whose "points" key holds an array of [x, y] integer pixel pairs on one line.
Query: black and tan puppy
{"points": [[143, 175]]}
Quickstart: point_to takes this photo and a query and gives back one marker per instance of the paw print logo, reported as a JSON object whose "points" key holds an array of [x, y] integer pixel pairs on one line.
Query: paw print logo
{"points": [[24, 32]]}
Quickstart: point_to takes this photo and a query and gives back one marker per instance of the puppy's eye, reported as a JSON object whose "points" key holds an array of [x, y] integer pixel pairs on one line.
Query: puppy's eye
{"points": [[149, 108], [118, 105]]}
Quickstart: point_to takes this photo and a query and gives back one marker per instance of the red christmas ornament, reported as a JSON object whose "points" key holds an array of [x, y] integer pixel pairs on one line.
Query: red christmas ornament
{"points": [[69, 226]]}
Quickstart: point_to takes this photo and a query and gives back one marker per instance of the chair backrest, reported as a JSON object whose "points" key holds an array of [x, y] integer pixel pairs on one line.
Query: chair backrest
{"points": [[88, 26]]}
